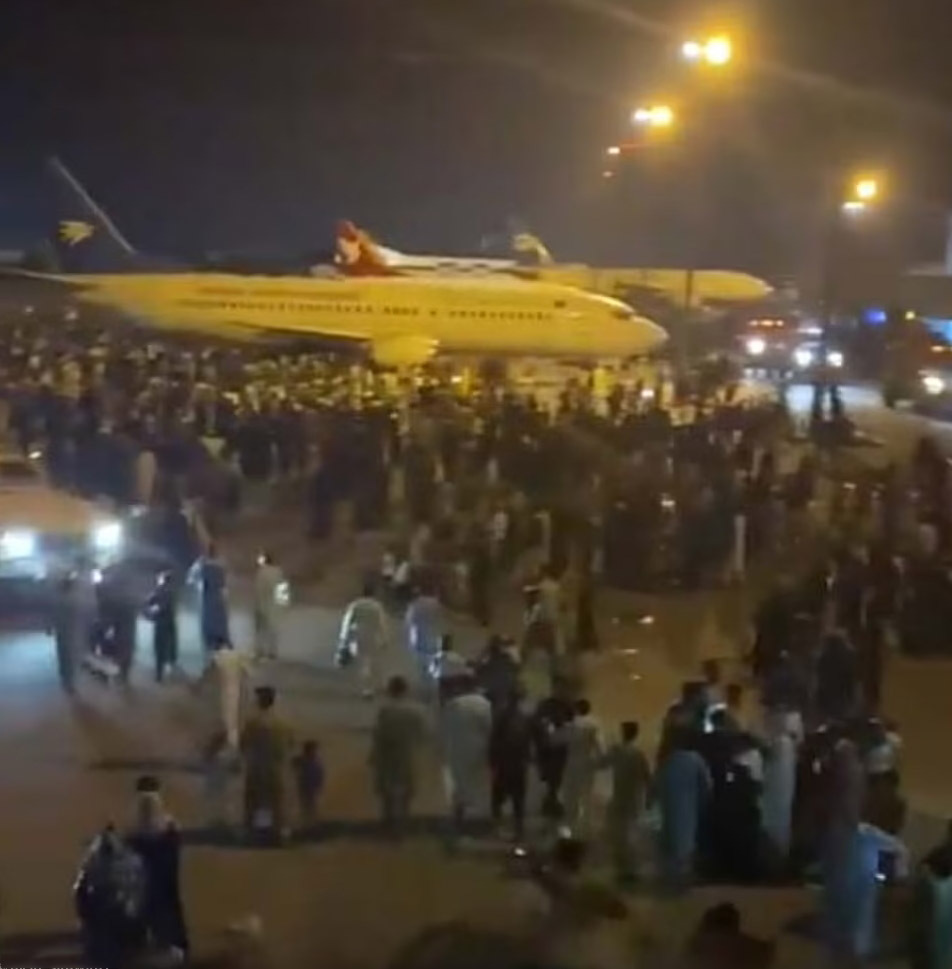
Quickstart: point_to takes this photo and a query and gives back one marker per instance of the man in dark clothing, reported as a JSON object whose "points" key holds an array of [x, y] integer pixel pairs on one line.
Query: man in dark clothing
{"points": [[552, 713], [480, 581], [497, 672], [161, 610], [118, 617], [510, 748], [837, 679]]}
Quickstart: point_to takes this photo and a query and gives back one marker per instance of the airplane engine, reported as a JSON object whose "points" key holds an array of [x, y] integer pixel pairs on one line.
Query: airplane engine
{"points": [[404, 351]]}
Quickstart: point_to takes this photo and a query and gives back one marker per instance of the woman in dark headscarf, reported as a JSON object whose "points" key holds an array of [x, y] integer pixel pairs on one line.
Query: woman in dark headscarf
{"points": [[156, 840]]}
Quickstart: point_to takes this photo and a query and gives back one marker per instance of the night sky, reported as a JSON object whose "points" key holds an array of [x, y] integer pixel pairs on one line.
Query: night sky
{"points": [[245, 124]]}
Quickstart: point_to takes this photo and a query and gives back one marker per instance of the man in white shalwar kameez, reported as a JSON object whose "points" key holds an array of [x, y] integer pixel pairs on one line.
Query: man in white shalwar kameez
{"points": [[365, 634], [228, 673], [582, 737], [466, 724]]}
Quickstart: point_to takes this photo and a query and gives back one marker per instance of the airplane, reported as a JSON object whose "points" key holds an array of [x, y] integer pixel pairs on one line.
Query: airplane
{"points": [[402, 320], [694, 288]]}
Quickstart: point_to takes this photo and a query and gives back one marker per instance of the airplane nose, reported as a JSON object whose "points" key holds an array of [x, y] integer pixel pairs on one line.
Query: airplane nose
{"points": [[645, 335]]}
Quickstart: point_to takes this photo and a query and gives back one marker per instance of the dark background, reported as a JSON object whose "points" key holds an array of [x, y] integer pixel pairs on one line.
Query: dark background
{"points": [[202, 124]]}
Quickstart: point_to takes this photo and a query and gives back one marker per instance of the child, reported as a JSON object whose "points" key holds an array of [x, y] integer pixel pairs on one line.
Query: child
{"points": [[217, 763], [309, 775]]}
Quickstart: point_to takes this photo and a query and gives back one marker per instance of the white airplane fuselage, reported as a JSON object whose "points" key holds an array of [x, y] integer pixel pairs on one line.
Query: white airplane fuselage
{"points": [[487, 315]]}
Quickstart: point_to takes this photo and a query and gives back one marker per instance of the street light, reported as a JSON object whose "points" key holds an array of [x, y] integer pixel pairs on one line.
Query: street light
{"points": [[613, 150], [854, 207], [715, 51], [656, 116], [864, 192], [860, 197]]}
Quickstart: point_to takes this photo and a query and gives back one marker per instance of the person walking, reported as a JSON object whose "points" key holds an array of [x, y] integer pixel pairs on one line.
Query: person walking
{"points": [[684, 786], [398, 733], [582, 737], [308, 767], [161, 610], [450, 670], [209, 577], [266, 743], [155, 838], [851, 889], [227, 673], [780, 779], [73, 622], [510, 750], [631, 781], [551, 715], [270, 600], [364, 637], [466, 728], [424, 623]]}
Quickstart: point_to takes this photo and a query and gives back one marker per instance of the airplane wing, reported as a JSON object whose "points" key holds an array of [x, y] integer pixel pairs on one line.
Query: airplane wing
{"points": [[73, 283], [400, 350]]}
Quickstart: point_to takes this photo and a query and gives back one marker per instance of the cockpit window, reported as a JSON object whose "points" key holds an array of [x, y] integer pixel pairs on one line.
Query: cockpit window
{"points": [[16, 471], [560, 304]]}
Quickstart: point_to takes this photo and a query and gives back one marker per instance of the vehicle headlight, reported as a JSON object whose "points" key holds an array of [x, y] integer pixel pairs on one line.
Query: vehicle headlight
{"points": [[107, 536], [18, 544], [803, 358], [834, 359], [756, 346], [933, 384]]}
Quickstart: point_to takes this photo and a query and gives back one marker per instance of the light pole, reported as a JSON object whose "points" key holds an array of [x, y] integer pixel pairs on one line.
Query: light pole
{"points": [[861, 194]]}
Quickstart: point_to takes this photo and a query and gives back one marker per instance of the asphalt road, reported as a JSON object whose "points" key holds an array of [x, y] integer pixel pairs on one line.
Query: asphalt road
{"points": [[349, 899]]}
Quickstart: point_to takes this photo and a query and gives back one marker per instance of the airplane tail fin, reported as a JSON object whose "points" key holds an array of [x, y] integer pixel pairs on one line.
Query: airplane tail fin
{"points": [[83, 239], [529, 250], [356, 253]]}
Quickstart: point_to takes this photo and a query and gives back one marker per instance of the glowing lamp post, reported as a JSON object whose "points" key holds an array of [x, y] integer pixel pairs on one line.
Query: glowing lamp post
{"points": [[714, 51]]}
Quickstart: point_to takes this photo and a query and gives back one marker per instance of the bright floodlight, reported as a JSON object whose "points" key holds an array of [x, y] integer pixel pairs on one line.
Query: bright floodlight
{"points": [[18, 544], [691, 50], [657, 116], [803, 357], [107, 536], [866, 189], [613, 150], [756, 346], [718, 51], [854, 207]]}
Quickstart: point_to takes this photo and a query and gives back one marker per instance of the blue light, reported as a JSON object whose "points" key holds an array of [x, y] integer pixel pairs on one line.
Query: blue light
{"points": [[874, 315]]}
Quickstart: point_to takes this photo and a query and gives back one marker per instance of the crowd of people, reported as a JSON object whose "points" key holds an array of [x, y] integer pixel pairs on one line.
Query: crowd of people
{"points": [[787, 771]]}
